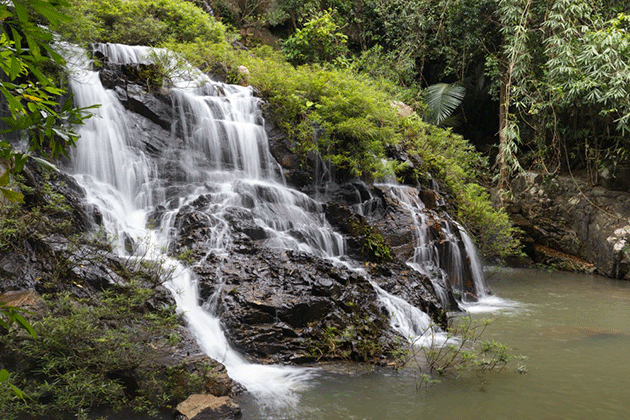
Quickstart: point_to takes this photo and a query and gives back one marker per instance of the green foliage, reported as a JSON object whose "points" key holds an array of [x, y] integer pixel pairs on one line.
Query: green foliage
{"points": [[319, 41], [397, 72], [32, 105], [10, 315], [21, 226], [84, 349], [139, 22], [493, 232], [441, 100], [357, 341]]}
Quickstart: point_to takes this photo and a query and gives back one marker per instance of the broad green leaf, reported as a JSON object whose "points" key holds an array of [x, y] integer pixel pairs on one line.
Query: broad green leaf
{"points": [[4, 375], [442, 99], [21, 11], [12, 196], [17, 40], [16, 68], [45, 164], [17, 391], [25, 324]]}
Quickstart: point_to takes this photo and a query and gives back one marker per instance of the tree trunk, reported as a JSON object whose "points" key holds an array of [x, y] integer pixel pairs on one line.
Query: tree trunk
{"points": [[504, 115]]}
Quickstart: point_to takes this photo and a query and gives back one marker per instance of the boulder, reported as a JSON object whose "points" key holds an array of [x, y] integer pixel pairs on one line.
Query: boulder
{"points": [[288, 306], [208, 407], [573, 225], [27, 300]]}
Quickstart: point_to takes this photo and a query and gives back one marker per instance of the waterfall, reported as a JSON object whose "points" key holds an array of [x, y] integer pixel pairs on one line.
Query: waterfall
{"points": [[222, 123], [411, 322], [219, 156], [448, 268]]}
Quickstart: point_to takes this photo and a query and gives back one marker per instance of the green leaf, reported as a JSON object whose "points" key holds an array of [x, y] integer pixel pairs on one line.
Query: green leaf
{"points": [[21, 11], [45, 164], [25, 324], [12, 196], [17, 391], [17, 40], [19, 160], [15, 68], [4, 375], [442, 99]]}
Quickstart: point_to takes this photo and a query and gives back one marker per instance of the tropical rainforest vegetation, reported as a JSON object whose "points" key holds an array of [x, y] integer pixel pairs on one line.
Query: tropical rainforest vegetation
{"points": [[470, 91], [536, 84]]}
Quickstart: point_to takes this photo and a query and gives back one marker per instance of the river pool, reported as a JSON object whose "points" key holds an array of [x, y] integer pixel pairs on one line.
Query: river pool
{"points": [[573, 329]]}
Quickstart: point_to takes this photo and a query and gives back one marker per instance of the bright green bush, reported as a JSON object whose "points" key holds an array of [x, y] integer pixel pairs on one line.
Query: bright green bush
{"points": [[319, 41], [139, 22]]}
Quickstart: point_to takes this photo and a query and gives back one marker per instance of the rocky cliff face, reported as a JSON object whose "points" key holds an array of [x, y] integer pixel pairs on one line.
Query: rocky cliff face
{"points": [[573, 225]]}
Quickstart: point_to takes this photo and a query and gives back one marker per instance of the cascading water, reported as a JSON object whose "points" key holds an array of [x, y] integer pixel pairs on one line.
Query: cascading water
{"points": [[447, 269], [222, 123], [220, 158]]}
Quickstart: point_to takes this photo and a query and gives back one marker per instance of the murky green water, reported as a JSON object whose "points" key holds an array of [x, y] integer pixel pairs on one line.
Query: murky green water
{"points": [[574, 330]]}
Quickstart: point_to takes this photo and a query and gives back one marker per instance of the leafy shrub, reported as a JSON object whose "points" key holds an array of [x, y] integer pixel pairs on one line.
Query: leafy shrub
{"points": [[464, 351], [139, 22], [491, 227], [319, 41], [86, 352]]}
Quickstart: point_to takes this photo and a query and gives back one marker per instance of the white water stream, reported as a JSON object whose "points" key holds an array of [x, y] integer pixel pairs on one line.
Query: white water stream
{"points": [[235, 165], [225, 158]]}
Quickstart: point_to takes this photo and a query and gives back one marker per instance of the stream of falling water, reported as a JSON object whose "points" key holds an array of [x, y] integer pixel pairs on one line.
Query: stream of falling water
{"points": [[126, 184]]}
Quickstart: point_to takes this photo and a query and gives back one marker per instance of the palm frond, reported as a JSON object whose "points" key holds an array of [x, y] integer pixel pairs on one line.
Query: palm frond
{"points": [[441, 100]]}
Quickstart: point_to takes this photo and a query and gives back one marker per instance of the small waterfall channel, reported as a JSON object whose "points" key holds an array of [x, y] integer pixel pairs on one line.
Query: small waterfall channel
{"points": [[443, 251], [219, 154]]}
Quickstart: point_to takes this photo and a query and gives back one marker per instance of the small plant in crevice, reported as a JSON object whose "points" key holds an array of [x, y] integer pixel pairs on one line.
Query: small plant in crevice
{"points": [[357, 340], [372, 243]]}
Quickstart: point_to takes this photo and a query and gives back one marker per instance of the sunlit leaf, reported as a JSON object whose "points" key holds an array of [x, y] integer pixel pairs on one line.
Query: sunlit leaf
{"points": [[12, 196]]}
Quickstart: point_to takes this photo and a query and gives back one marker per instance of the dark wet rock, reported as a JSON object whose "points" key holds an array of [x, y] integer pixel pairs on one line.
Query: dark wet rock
{"points": [[149, 106], [396, 225], [281, 148], [242, 220], [429, 198], [616, 177], [365, 242], [406, 283], [280, 306]]}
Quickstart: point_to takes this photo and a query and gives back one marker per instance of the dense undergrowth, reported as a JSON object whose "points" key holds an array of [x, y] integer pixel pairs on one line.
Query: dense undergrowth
{"points": [[96, 352]]}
